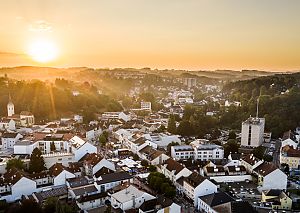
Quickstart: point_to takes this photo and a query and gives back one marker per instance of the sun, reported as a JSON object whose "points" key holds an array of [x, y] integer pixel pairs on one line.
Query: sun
{"points": [[43, 50]]}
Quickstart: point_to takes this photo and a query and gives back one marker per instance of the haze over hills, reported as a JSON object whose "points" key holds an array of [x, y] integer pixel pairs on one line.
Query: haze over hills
{"points": [[51, 73]]}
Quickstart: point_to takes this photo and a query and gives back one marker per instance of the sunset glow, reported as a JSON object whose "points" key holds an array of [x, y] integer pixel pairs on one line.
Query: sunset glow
{"points": [[43, 51]]}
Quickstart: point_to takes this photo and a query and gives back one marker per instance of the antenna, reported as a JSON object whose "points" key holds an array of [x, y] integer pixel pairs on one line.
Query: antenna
{"points": [[257, 103]]}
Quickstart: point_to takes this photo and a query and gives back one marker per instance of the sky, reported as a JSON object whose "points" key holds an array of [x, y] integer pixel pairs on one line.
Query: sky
{"points": [[174, 34]]}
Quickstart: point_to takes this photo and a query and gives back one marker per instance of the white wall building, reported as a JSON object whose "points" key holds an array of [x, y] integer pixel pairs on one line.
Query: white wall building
{"points": [[253, 132]]}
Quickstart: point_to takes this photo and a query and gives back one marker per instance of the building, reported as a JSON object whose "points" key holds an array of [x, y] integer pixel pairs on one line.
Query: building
{"points": [[182, 152], [190, 82], [253, 132], [214, 203], [129, 198], [278, 199], [146, 105], [270, 177], [250, 162], [10, 107], [174, 170], [160, 205], [198, 151], [9, 139], [196, 185]]}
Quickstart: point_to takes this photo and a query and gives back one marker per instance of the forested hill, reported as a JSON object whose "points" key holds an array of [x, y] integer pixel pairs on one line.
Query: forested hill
{"points": [[52, 100], [279, 100]]}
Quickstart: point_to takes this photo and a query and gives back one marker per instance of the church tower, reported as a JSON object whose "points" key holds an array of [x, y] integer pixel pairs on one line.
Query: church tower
{"points": [[10, 107]]}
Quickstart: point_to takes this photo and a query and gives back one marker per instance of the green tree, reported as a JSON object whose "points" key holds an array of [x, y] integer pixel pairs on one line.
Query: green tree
{"points": [[144, 163], [259, 152], [232, 135], [36, 163], [102, 140], [231, 146], [185, 128], [15, 163], [171, 124], [152, 168], [52, 146]]}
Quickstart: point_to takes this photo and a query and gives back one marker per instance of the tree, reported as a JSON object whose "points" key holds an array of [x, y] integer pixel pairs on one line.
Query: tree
{"points": [[135, 157], [52, 146], [15, 163], [36, 163], [26, 206], [232, 135], [102, 140], [231, 146], [144, 163], [152, 168], [185, 128], [259, 152], [171, 124]]}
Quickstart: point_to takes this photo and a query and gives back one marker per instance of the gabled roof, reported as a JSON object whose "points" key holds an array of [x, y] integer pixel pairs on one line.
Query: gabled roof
{"points": [[103, 171], [194, 179], [91, 158], [56, 169], [91, 197], [173, 165], [272, 192], [265, 168], [242, 206], [216, 199], [113, 177], [250, 159]]}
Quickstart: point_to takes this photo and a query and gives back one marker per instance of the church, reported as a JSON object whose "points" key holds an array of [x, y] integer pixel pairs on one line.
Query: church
{"points": [[24, 119]]}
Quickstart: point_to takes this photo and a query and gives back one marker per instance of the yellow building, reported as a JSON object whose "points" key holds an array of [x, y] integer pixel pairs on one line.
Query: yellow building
{"points": [[277, 198], [290, 157]]}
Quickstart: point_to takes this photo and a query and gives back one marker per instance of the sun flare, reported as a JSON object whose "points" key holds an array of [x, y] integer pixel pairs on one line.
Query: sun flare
{"points": [[43, 51]]}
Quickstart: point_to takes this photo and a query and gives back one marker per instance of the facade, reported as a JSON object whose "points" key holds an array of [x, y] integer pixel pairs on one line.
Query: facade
{"points": [[214, 203], [290, 156], [253, 132], [190, 82], [278, 198], [174, 170], [146, 105], [196, 185], [270, 177], [9, 140], [129, 198]]}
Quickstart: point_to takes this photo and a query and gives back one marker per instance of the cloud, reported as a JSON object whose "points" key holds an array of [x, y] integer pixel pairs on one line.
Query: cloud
{"points": [[40, 26], [10, 54]]}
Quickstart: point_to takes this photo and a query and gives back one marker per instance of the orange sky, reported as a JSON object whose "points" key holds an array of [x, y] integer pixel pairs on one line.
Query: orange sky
{"points": [[189, 34]]}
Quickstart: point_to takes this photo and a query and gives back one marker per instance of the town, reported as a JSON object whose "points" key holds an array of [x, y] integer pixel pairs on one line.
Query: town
{"points": [[179, 144]]}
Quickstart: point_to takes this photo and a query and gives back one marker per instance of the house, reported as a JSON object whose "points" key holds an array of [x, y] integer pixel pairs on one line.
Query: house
{"points": [[270, 177], [215, 202], [196, 185], [93, 162], [79, 147], [235, 170], [162, 140], [107, 181], [59, 192], [129, 198], [25, 147], [87, 202], [27, 118], [60, 174], [205, 151], [9, 139], [153, 156], [174, 170], [116, 115], [290, 139], [234, 159], [250, 162], [14, 184], [214, 170], [159, 205], [290, 156], [278, 198], [7, 124]]}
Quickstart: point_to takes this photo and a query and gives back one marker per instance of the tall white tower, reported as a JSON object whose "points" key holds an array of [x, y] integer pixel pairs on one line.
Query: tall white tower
{"points": [[10, 107]]}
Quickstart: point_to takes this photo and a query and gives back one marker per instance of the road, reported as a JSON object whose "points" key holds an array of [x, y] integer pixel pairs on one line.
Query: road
{"points": [[276, 154]]}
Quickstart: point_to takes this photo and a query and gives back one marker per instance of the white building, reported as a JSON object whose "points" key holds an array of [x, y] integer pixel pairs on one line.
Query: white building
{"points": [[10, 108], [9, 139], [253, 132], [174, 170], [129, 198], [196, 185], [146, 105], [270, 177], [182, 152], [198, 152]]}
